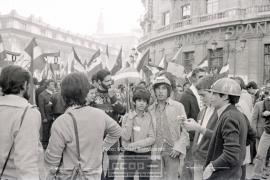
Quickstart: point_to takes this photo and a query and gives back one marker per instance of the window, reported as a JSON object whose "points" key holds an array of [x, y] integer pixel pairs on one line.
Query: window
{"points": [[266, 73], [216, 59], [186, 11], [211, 6], [166, 18], [188, 61]]}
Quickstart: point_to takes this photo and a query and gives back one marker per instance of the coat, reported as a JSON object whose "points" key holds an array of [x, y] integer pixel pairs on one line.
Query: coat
{"points": [[257, 120], [25, 158], [227, 147], [44, 105], [189, 100], [180, 137]]}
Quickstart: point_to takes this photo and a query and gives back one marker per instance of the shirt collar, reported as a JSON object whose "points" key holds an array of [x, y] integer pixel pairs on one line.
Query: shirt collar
{"points": [[222, 109], [168, 102], [13, 100]]}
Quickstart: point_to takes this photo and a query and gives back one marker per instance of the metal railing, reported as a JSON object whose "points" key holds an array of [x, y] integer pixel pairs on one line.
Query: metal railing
{"points": [[209, 19]]}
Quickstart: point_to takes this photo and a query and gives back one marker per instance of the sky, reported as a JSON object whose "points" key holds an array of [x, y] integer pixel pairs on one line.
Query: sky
{"points": [[81, 16]]}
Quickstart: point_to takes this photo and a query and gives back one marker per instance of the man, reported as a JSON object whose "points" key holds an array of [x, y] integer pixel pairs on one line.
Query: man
{"points": [[19, 127], [227, 148], [252, 89], [107, 101], [46, 111], [171, 139], [192, 103]]}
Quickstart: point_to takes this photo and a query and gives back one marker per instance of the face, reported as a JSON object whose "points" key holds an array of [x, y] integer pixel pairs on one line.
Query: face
{"points": [[140, 104], [217, 101], [180, 89], [200, 75], [205, 97], [161, 92], [91, 96], [251, 91], [186, 86], [107, 82], [51, 86]]}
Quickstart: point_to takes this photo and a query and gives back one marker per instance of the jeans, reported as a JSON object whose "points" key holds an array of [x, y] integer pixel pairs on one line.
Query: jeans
{"points": [[263, 147], [170, 166], [139, 162]]}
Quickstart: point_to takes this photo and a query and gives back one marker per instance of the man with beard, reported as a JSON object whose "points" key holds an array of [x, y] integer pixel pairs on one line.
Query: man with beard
{"points": [[107, 101], [19, 127], [45, 107]]}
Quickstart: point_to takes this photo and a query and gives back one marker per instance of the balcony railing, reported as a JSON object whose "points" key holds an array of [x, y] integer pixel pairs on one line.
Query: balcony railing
{"points": [[209, 19]]}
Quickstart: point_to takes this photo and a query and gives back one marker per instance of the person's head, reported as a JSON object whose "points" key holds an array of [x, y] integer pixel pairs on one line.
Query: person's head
{"points": [[240, 81], [162, 88], [74, 89], [197, 74], [50, 85], [225, 91], [141, 98], [252, 87], [186, 85], [91, 94], [203, 86], [104, 79], [179, 89], [15, 80], [142, 84]]}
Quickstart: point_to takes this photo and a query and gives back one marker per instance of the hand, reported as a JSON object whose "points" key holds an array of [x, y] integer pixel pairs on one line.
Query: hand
{"points": [[131, 147], [192, 125], [266, 113], [208, 171], [111, 92], [45, 120], [174, 154]]}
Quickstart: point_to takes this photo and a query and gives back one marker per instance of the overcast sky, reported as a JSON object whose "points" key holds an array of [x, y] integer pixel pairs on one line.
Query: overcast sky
{"points": [[80, 16]]}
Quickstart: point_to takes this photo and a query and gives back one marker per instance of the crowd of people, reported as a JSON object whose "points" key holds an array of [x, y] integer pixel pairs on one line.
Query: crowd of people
{"points": [[204, 127]]}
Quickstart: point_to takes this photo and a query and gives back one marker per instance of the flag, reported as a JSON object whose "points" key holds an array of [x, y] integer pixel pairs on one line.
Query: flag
{"points": [[153, 70], [118, 63], [163, 63], [178, 56], [94, 67], [93, 57], [225, 69], [144, 60], [33, 49], [75, 62], [176, 69], [3, 54], [204, 62]]}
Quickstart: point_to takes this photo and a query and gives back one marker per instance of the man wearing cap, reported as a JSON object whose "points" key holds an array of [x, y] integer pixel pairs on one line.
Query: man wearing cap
{"points": [[171, 138], [227, 147]]}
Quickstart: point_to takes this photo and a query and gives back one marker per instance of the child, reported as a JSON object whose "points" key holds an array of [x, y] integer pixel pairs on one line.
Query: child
{"points": [[138, 137]]}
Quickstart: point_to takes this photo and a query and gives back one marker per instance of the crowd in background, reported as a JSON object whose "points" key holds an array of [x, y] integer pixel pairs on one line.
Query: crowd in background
{"points": [[203, 127]]}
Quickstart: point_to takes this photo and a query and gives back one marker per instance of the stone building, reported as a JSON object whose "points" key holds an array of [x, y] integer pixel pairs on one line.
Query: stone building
{"points": [[17, 32], [233, 31]]}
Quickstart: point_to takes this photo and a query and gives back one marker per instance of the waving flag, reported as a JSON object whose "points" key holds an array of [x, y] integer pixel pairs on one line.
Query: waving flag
{"points": [[93, 57], [118, 63], [144, 60]]}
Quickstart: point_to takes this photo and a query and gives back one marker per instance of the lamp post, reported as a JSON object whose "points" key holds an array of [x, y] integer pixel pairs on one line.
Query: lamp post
{"points": [[230, 50]]}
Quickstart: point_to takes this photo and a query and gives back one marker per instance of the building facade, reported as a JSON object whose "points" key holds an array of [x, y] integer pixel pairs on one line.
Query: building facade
{"points": [[232, 31], [17, 32]]}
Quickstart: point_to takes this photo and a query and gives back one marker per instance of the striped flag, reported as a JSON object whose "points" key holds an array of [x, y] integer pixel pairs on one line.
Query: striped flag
{"points": [[144, 60], [94, 67], [93, 57], [178, 56], [118, 63], [75, 62], [225, 69]]}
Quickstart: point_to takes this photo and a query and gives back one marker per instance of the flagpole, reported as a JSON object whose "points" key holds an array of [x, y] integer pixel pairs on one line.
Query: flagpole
{"points": [[32, 91]]}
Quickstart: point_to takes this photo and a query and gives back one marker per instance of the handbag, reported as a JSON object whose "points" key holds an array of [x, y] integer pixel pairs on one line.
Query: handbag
{"points": [[77, 172], [5, 164]]}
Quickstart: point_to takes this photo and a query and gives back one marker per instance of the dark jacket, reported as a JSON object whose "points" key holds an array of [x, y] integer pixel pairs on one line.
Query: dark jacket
{"points": [[200, 150], [58, 105], [44, 106], [189, 100], [266, 107], [227, 148]]}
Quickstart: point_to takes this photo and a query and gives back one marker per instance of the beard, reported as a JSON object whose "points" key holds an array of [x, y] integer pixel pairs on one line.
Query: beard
{"points": [[105, 86]]}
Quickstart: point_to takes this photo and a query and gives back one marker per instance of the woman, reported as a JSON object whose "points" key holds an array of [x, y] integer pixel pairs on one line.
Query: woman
{"points": [[91, 124], [91, 96]]}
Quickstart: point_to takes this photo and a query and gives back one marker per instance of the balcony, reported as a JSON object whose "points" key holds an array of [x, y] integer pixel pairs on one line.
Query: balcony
{"points": [[228, 15]]}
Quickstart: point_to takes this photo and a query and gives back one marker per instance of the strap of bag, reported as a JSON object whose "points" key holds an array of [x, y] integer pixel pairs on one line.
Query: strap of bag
{"points": [[4, 167], [76, 137]]}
